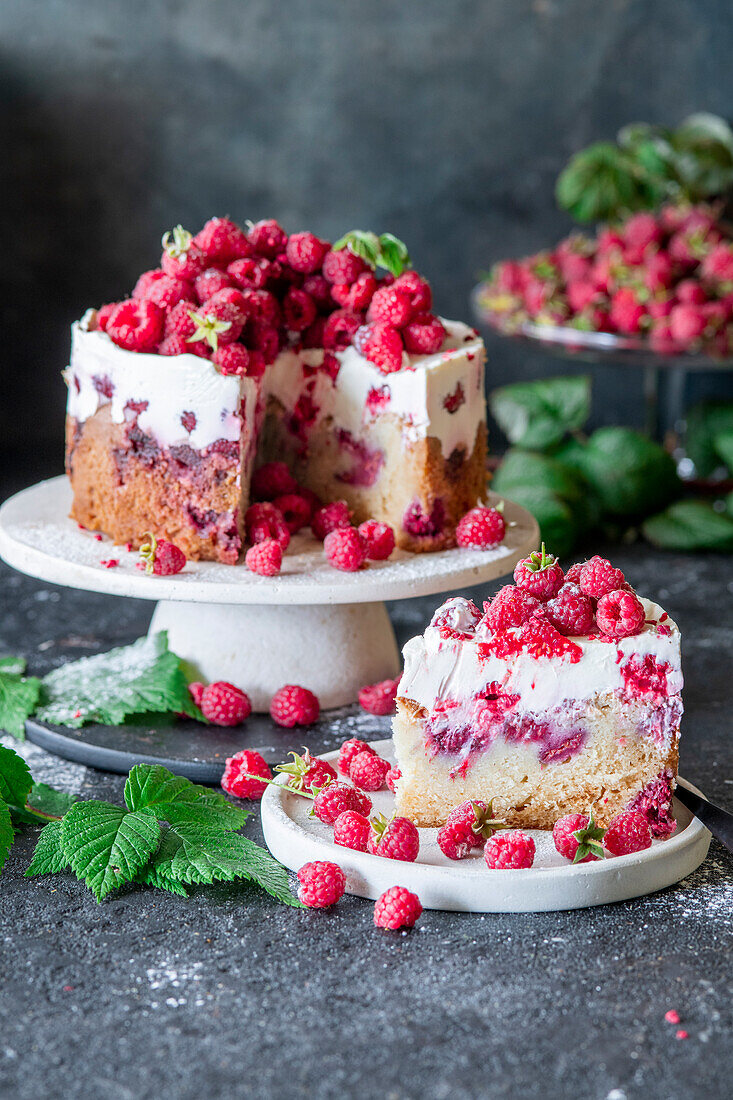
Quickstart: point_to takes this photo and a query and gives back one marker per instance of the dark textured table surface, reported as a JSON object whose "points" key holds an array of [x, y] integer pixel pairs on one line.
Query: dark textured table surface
{"points": [[228, 994]]}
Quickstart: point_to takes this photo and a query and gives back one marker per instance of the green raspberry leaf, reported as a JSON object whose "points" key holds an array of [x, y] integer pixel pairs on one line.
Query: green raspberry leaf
{"points": [[631, 475], [7, 836], [690, 525], [360, 243], [142, 678], [708, 423], [46, 801], [175, 799], [393, 254], [157, 872], [48, 857], [15, 778], [106, 845], [537, 415], [15, 666], [18, 696]]}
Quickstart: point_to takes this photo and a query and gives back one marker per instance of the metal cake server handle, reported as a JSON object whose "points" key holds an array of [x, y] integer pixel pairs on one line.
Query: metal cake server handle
{"points": [[717, 820]]}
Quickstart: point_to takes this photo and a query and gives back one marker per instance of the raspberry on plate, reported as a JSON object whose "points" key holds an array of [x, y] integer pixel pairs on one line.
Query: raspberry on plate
{"points": [[329, 517], [379, 539], [272, 480], [349, 749], [481, 528], [264, 521], [351, 830], [295, 510], [238, 773], [397, 908], [345, 549], [395, 838], [509, 851], [539, 574], [306, 772], [598, 577], [333, 799], [627, 832], [578, 838], [136, 325], [264, 558], [162, 558], [223, 704], [620, 614], [392, 778], [367, 771], [379, 698], [294, 705], [321, 884]]}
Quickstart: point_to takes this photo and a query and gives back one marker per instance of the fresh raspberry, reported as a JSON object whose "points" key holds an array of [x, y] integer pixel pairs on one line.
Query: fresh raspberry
{"points": [[259, 305], [222, 704], [681, 1034], [239, 768], [658, 274], [178, 320], [357, 295], [256, 364], [379, 539], [626, 312], [211, 282], [687, 323], [424, 335], [351, 830], [672, 1016], [263, 337], [509, 851], [305, 252], [265, 558], [418, 290], [247, 273], [577, 838], [271, 480], [620, 614], [573, 574], [268, 238], [293, 705], [481, 528], [379, 698], [181, 257], [691, 292], [392, 778], [136, 325], [173, 345], [335, 798], [473, 822], [349, 750], [103, 315], [368, 770], [581, 294], [299, 310], [295, 510], [456, 619], [160, 557], [539, 574], [320, 291], [510, 606], [397, 908], [321, 884], [164, 290], [342, 266], [345, 549], [381, 344], [330, 517], [452, 844], [221, 241], [196, 690], [395, 838], [390, 307], [232, 359], [598, 576], [307, 772], [340, 329], [218, 322], [628, 832], [570, 611], [641, 230], [263, 521]]}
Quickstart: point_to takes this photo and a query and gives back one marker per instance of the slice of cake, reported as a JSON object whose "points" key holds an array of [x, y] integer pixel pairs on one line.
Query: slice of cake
{"points": [[563, 696], [250, 347]]}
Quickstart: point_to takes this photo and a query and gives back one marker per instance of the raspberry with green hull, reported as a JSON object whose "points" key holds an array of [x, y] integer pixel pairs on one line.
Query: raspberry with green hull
{"points": [[578, 838], [539, 574], [395, 838], [306, 772]]}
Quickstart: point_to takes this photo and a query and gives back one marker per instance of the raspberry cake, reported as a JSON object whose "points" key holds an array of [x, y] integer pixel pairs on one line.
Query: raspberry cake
{"points": [[563, 696], [246, 347]]}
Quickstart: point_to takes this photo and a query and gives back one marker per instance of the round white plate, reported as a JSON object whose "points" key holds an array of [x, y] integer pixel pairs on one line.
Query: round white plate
{"points": [[37, 537], [552, 883]]}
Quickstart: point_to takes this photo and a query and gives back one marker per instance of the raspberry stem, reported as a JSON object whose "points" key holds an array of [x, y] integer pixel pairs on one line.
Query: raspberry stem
{"points": [[287, 787]]}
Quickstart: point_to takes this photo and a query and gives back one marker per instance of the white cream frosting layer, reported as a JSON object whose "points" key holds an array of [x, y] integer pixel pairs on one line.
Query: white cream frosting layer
{"points": [[178, 384], [436, 668]]}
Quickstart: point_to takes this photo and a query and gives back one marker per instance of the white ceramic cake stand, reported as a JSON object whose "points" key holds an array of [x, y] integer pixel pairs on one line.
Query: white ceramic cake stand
{"points": [[294, 838], [311, 625]]}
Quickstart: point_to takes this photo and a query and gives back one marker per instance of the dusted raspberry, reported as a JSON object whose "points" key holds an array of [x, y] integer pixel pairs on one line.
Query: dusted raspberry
{"points": [[481, 528], [334, 799], [196, 690], [417, 289], [626, 313], [509, 851], [264, 521], [390, 306], [620, 614], [362, 803], [452, 844], [457, 618], [395, 838], [221, 241], [424, 335], [510, 606], [367, 771], [179, 320], [397, 908], [345, 549], [349, 750], [232, 359], [379, 539], [577, 838], [351, 830], [598, 576], [573, 574], [181, 257], [539, 574], [164, 290], [162, 558], [381, 344], [264, 338], [103, 315], [379, 698], [320, 291], [305, 252], [211, 282], [247, 273], [173, 345], [295, 510], [628, 832], [473, 822], [293, 705], [268, 238], [314, 502], [330, 517], [271, 480], [357, 296], [340, 329], [299, 310], [321, 884], [236, 779], [306, 772], [342, 266], [392, 778], [136, 325], [223, 704], [265, 558], [218, 322], [570, 611], [260, 305]]}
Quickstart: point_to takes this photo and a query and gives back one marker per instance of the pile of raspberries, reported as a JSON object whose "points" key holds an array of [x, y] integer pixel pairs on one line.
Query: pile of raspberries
{"points": [[664, 278], [238, 297]]}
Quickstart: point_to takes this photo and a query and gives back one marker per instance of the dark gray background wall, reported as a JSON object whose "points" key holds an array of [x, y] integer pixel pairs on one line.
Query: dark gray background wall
{"points": [[444, 121]]}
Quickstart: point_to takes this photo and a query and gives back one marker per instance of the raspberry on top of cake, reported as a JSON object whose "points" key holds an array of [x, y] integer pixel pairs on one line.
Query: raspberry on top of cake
{"points": [[564, 695], [251, 345]]}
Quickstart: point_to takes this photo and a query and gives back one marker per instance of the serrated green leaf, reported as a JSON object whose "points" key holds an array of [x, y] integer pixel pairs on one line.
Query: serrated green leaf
{"points": [[106, 845], [7, 836], [690, 525], [393, 254], [536, 415], [631, 475], [175, 799], [49, 802], [705, 421], [360, 243], [16, 666], [15, 778], [529, 472], [48, 857], [601, 183], [558, 523], [18, 699], [142, 678]]}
